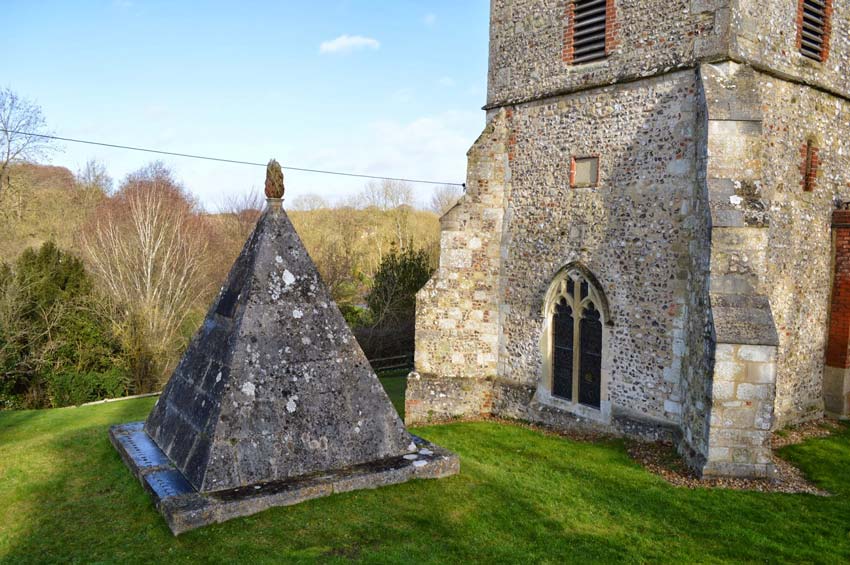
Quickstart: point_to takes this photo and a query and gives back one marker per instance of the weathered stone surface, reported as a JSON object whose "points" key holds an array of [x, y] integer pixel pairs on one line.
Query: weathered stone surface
{"points": [[836, 385], [743, 319], [699, 231], [273, 385], [763, 35], [273, 402], [185, 508], [652, 37]]}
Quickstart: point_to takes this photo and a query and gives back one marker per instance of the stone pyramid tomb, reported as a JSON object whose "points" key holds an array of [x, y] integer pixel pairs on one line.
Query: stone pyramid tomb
{"points": [[273, 402]]}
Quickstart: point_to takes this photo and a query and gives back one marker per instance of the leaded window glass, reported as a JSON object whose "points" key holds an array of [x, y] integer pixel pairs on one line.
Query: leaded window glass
{"points": [[563, 327], [576, 359]]}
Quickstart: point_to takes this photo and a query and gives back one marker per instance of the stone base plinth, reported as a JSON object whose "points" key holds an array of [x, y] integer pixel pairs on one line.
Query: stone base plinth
{"points": [[836, 391], [184, 508], [430, 399], [742, 398]]}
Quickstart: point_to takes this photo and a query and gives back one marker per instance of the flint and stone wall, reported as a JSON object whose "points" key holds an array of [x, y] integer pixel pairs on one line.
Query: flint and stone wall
{"points": [[764, 34], [799, 248], [651, 37], [457, 321], [632, 231], [770, 237], [635, 233], [716, 263]]}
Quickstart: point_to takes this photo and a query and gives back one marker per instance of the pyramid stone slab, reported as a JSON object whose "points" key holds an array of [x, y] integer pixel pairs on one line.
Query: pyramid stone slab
{"points": [[272, 389], [274, 385]]}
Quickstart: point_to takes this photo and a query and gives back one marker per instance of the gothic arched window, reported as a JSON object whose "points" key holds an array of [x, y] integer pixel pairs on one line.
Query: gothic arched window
{"points": [[573, 340]]}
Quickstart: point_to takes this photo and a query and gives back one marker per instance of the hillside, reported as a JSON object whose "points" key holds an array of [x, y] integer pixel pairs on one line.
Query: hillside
{"points": [[47, 204], [44, 204]]}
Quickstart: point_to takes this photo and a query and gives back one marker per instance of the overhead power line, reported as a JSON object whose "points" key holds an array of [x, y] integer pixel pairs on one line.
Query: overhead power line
{"points": [[222, 160]]}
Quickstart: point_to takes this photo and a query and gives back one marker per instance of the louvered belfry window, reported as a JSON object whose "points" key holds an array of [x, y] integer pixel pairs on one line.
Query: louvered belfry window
{"points": [[588, 30], [813, 21]]}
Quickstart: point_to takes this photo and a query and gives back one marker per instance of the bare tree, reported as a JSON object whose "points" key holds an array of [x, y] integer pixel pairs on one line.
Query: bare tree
{"points": [[94, 176], [93, 183], [308, 203], [242, 211], [147, 248], [387, 194], [20, 121], [237, 217], [444, 198], [394, 198], [338, 254]]}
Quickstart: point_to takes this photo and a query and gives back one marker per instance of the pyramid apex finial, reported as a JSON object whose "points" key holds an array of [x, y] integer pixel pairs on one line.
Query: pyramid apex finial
{"points": [[274, 180]]}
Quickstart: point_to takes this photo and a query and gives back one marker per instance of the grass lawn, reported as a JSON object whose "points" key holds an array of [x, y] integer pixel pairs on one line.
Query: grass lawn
{"points": [[521, 497]]}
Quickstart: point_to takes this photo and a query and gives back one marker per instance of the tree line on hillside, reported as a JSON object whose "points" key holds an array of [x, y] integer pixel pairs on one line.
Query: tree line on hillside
{"points": [[101, 288]]}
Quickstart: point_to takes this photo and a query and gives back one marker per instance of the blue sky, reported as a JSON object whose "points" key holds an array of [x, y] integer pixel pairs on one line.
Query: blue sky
{"points": [[389, 87]]}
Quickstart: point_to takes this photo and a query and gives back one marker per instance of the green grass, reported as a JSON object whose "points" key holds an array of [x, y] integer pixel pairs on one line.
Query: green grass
{"points": [[394, 383], [521, 497]]}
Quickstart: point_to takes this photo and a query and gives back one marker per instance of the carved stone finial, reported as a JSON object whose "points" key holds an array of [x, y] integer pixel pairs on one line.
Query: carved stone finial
{"points": [[274, 180]]}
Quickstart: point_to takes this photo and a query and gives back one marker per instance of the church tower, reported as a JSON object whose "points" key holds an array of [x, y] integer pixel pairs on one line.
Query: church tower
{"points": [[651, 241]]}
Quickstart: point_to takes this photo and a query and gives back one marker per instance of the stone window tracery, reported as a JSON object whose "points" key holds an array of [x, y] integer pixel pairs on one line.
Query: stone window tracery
{"points": [[574, 341]]}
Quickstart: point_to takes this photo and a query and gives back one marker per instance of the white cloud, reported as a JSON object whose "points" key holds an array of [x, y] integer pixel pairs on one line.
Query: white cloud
{"points": [[348, 43], [446, 81], [429, 19]]}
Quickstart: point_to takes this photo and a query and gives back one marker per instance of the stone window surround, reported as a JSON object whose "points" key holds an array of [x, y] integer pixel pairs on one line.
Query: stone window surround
{"points": [[810, 164], [557, 290], [573, 160]]}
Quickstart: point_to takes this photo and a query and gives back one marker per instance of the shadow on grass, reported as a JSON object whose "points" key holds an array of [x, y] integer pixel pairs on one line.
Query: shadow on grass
{"points": [[69, 480], [521, 497], [84, 505], [13, 420]]}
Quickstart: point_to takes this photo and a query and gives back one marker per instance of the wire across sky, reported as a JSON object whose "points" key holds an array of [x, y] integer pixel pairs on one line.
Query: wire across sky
{"points": [[223, 160]]}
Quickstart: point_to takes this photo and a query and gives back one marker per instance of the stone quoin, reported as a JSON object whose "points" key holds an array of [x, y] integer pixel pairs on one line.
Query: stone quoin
{"points": [[692, 291]]}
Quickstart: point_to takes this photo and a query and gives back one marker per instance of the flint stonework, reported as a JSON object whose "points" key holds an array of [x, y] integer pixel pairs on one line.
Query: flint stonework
{"points": [[713, 255]]}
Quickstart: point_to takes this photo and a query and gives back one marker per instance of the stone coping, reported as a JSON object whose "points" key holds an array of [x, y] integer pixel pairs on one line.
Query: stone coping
{"points": [[184, 508], [743, 319]]}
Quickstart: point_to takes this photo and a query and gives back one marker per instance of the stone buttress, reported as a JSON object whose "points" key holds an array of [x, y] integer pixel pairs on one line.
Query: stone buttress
{"points": [[457, 322], [721, 149], [743, 386]]}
